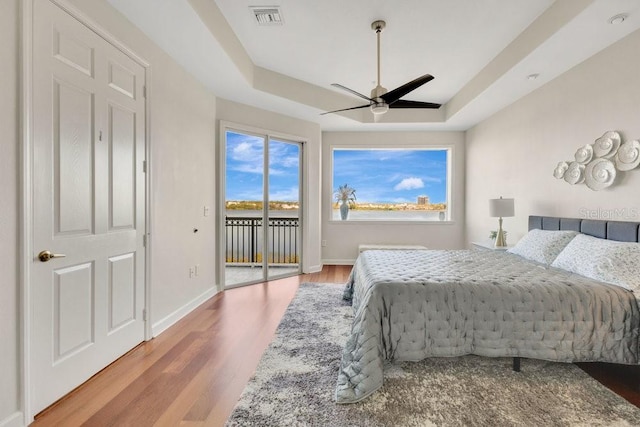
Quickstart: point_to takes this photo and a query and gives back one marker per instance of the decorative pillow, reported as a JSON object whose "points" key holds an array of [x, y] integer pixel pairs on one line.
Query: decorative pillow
{"points": [[543, 246], [608, 261]]}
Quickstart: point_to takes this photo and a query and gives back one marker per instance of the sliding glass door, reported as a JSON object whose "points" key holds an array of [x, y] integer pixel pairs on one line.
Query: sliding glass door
{"points": [[262, 208], [244, 198], [283, 214]]}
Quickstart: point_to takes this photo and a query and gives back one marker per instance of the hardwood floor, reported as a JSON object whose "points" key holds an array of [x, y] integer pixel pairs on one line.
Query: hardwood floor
{"points": [[193, 373], [623, 379]]}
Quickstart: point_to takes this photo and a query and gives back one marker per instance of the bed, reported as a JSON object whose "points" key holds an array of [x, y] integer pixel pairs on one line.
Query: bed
{"points": [[410, 305]]}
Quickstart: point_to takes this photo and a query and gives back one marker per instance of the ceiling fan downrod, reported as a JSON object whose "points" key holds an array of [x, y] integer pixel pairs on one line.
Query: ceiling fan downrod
{"points": [[378, 91], [378, 105], [378, 26]]}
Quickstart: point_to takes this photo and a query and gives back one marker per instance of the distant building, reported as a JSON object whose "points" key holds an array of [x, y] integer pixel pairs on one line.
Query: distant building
{"points": [[423, 200]]}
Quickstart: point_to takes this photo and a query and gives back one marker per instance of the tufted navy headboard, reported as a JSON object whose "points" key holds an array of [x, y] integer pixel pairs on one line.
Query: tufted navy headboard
{"points": [[610, 230]]}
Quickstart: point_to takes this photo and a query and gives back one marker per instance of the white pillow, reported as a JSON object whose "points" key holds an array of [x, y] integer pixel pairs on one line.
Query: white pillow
{"points": [[543, 245], [608, 261]]}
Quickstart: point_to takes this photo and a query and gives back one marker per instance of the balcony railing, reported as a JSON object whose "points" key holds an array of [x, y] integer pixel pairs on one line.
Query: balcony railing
{"points": [[244, 237]]}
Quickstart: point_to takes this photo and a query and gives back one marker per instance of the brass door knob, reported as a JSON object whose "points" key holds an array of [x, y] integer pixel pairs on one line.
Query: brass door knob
{"points": [[45, 256]]}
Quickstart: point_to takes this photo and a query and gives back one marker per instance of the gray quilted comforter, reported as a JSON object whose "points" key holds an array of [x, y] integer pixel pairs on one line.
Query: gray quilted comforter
{"points": [[410, 305]]}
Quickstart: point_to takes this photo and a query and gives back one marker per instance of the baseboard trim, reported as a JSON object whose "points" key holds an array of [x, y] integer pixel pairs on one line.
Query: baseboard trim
{"points": [[338, 261], [14, 420], [164, 324], [315, 268]]}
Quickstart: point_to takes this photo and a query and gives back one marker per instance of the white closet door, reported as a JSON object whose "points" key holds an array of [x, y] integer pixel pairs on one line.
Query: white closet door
{"points": [[88, 204]]}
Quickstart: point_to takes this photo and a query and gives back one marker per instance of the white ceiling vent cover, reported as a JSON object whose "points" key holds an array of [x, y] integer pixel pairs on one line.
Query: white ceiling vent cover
{"points": [[267, 15]]}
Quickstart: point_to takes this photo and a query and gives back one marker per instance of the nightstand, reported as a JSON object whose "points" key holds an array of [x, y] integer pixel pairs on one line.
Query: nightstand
{"points": [[488, 246]]}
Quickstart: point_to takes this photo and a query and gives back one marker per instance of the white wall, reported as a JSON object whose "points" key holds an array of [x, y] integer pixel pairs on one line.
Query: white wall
{"points": [[343, 237], [9, 145], [241, 114], [515, 152], [183, 174], [182, 171]]}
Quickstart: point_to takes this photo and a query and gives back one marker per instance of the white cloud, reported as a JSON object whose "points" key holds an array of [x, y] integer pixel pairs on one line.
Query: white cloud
{"points": [[432, 179], [290, 161], [285, 195], [409, 184], [247, 151], [247, 168]]}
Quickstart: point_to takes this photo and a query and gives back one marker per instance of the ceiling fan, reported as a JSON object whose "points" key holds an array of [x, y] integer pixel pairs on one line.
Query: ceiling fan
{"points": [[381, 100]]}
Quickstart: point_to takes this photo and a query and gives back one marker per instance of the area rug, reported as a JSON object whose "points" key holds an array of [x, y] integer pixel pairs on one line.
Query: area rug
{"points": [[295, 381]]}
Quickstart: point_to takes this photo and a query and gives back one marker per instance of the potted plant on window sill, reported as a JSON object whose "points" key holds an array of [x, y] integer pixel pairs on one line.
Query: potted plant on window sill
{"points": [[345, 196]]}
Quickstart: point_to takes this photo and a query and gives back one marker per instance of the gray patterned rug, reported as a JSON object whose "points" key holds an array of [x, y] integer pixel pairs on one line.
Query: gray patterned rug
{"points": [[295, 381]]}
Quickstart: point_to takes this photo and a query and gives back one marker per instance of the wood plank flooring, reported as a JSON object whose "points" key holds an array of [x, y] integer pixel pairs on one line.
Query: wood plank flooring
{"points": [[193, 374]]}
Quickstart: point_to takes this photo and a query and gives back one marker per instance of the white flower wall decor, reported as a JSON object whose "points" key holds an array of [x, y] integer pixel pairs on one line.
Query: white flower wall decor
{"points": [[597, 164], [575, 173]]}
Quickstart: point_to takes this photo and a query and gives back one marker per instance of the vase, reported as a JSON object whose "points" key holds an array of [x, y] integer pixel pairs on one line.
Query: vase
{"points": [[344, 211]]}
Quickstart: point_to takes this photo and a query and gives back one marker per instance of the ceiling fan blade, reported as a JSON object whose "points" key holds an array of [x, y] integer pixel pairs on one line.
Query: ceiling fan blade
{"points": [[351, 91], [414, 104], [345, 109], [397, 93]]}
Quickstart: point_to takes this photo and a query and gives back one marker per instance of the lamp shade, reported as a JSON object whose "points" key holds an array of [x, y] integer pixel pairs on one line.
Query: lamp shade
{"points": [[501, 207]]}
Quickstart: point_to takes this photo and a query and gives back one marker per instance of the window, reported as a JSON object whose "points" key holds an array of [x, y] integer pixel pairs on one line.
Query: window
{"points": [[391, 184]]}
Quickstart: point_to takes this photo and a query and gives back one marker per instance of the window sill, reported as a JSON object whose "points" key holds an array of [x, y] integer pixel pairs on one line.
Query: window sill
{"points": [[387, 222]]}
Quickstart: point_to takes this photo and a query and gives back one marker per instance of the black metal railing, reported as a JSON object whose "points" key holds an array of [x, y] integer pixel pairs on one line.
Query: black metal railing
{"points": [[244, 237]]}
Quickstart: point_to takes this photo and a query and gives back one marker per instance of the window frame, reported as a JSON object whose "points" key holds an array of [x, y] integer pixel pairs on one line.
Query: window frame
{"points": [[451, 152]]}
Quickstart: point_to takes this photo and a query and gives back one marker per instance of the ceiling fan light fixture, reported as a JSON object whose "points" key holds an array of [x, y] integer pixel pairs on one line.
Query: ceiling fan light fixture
{"points": [[380, 108]]}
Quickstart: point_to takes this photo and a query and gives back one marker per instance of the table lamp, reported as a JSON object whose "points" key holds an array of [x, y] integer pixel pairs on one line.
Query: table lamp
{"points": [[499, 208]]}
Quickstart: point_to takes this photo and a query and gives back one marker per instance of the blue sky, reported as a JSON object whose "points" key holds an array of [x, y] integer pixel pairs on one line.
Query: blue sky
{"points": [[392, 176], [383, 176], [245, 165]]}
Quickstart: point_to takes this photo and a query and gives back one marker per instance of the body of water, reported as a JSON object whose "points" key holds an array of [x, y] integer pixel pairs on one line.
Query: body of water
{"points": [[354, 215], [258, 214], [363, 215]]}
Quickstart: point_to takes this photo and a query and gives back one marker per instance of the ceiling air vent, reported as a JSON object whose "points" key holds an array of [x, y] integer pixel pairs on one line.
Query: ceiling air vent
{"points": [[267, 15]]}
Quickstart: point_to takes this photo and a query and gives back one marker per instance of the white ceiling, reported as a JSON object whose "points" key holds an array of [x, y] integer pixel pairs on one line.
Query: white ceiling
{"points": [[480, 51], [329, 41]]}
